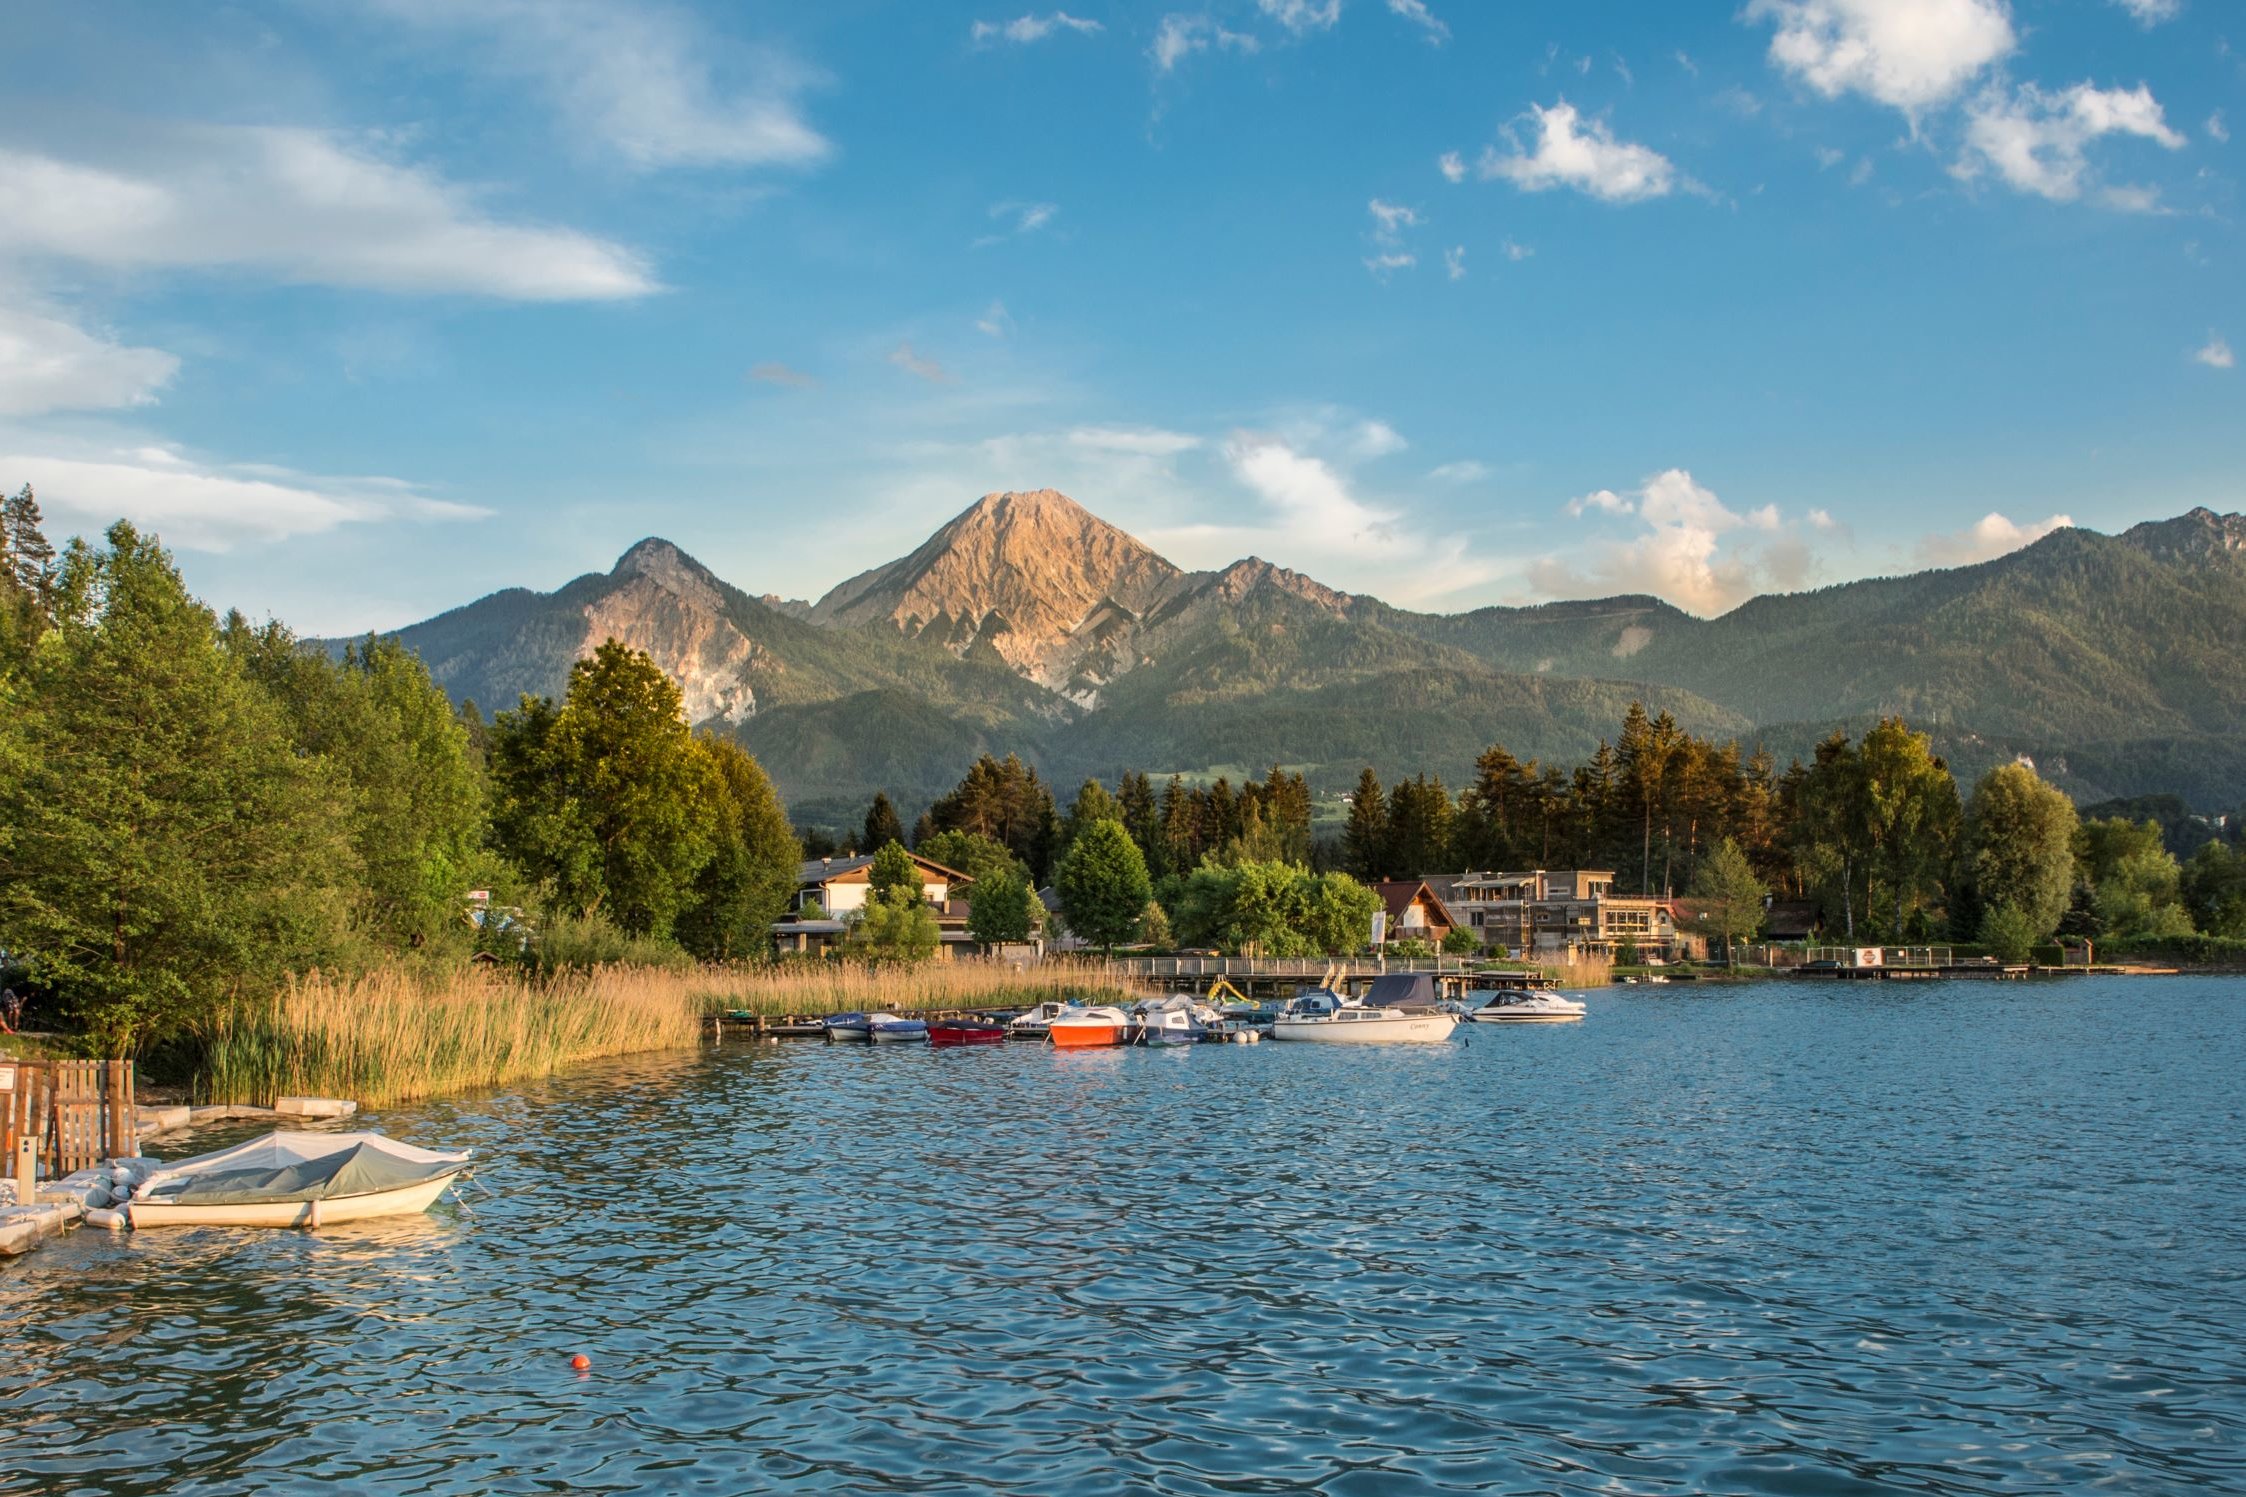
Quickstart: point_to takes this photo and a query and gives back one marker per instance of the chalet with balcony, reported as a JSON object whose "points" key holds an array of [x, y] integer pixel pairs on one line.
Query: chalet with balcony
{"points": [[831, 892], [1415, 911], [1561, 914]]}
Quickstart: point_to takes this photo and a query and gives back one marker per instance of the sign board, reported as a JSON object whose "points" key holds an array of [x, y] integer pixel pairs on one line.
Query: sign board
{"points": [[1380, 927], [7, 1078], [482, 894]]}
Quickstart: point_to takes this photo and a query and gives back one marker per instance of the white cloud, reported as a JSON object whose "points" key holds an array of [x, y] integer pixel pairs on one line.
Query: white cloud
{"points": [[2217, 131], [1454, 261], [996, 321], [1466, 470], [49, 364], [639, 79], [1179, 36], [1376, 439], [781, 374], [1388, 218], [1388, 262], [1452, 166], [1680, 553], [2152, 12], [1516, 252], [1820, 519], [913, 364], [1300, 16], [199, 506], [1034, 28], [1416, 12], [2036, 141], [1138, 441], [1910, 54], [1575, 152], [2215, 353], [1988, 538], [303, 206]]}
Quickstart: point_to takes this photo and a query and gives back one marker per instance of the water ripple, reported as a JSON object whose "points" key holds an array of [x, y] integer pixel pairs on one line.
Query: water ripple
{"points": [[1788, 1240]]}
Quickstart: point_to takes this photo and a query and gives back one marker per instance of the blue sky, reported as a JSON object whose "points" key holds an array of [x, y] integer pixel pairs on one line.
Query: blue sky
{"points": [[372, 306]]}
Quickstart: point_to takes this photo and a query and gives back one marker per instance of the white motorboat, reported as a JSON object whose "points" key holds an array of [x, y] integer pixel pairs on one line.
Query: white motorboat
{"points": [[1078, 1027], [892, 1029], [1176, 1020], [1032, 1025], [848, 1028], [1331, 1019], [1521, 1006], [299, 1179]]}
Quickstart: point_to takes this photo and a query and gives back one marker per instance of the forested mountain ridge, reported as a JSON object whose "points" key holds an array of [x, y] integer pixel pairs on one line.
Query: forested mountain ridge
{"points": [[1028, 625]]}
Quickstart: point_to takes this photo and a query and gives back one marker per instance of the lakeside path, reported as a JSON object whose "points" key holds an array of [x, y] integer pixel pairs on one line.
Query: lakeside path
{"points": [[1955, 1238]]}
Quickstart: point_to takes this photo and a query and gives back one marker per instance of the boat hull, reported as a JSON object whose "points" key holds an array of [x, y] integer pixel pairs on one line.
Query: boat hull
{"points": [[406, 1200], [1527, 1018], [1085, 1036], [945, 1035], [916, 1036], [1424, 1029]]}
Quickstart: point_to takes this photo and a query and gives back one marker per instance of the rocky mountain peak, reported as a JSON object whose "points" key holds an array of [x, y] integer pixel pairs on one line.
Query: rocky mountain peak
{"points": [[1016, 573], [1240, 579], [2194, 535]]}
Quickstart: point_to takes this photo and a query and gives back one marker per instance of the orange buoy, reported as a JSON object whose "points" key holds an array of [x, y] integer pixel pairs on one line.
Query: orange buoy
{"points": [[581, 1362]]}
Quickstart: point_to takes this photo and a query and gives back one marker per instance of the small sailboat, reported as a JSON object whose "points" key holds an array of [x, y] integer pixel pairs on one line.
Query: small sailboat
{"points": [[299, 1179], [949, 1032], [1521, 1006], [1078, 1027], [848, 1028], [894, 1029]]}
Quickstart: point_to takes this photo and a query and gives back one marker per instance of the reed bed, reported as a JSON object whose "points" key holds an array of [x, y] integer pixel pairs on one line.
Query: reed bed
{"points": [[1583, 972], [834, 987], [393, 1036]]}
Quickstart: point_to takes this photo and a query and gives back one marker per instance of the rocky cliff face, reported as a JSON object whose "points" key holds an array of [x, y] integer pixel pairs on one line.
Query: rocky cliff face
{"points": [[670, 605], [1034, 580]]}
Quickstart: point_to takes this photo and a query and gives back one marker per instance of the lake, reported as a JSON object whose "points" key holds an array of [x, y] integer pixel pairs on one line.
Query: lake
{"points": [[1814, 1238]]}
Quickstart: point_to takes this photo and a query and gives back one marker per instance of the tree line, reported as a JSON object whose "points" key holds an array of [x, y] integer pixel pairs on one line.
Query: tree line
{"points": [[192, 808]]}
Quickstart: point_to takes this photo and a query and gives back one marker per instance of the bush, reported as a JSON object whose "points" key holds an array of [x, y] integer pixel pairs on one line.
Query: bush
{"points": [[1462, 942], [579, 943], [2009, 933]]}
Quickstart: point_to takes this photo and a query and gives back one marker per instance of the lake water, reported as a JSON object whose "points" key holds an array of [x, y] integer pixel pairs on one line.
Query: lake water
{"points": [[1814, 1238]]}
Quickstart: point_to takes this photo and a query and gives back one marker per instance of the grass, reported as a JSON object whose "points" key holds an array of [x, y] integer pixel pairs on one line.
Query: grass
{"points": [[393, 1036], [823, 987], [396, 1035]]}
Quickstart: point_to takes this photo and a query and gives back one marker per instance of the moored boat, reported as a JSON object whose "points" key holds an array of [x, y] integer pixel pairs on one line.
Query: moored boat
{"points": [[1032, 1025], [894, 1029], [1176, 1020], [848, 1027], [1329, 1018], [1078, 1027], [1521, 1006], [947, 1032], [301, 1179]]}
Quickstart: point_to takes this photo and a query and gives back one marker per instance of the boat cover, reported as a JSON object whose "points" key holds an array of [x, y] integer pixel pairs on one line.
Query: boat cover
{"points": [[299, 1166], [1404, 990]]}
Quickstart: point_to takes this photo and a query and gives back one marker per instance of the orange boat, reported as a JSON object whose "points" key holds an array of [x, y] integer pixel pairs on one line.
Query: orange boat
{"points": [[1078, 1028]]}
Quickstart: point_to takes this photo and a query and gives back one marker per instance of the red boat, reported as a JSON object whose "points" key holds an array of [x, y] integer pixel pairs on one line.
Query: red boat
{"points": [[966, 1032]]}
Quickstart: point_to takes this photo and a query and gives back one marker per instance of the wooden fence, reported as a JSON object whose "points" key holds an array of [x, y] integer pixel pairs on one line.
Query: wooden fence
{"points": [[78, 1112]]}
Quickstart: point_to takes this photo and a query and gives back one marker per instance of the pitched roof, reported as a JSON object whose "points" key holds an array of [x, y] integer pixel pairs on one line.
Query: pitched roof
{"points": [[827, 870], [1398, 894]]}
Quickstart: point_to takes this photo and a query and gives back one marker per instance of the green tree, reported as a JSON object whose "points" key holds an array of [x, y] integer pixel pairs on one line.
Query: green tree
{"points": [[1727, 881], [1154, 927], [1461, 941], [2009, 933], [751, 876], [2142, 896], [1001, 908], [2214, 889], [1419, 826], [165, 846], [414, 790], [1911, 817], [1365, 841], [895, 876], [2019, 846], [967, 852], [882, 822], [893, 930], [605, 799], [1103, 885], [1336, 913]]}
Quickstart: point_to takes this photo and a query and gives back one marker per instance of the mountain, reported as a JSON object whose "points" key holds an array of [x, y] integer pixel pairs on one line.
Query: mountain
{"points": [[1027, 624]]}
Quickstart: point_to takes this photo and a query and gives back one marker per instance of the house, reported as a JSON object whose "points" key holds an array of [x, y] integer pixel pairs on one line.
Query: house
{"points": [[1415, 913], [831, 891], [1562, 913]]}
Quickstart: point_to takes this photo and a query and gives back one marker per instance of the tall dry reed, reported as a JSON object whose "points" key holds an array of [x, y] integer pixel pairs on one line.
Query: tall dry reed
{"points": [[392, 1036], [1581, 972], [834, 987]]}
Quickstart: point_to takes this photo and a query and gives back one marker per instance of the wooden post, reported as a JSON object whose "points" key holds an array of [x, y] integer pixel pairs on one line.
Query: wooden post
{"points": [[27, 1169], [123, 1140]]}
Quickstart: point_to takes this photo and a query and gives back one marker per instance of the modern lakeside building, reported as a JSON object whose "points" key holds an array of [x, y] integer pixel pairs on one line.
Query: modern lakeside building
{"points": [[1562, 913]]}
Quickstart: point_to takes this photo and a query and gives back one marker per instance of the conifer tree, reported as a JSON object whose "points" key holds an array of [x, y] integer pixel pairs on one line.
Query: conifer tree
{"points": [[1365, 841], [883, 826]]}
